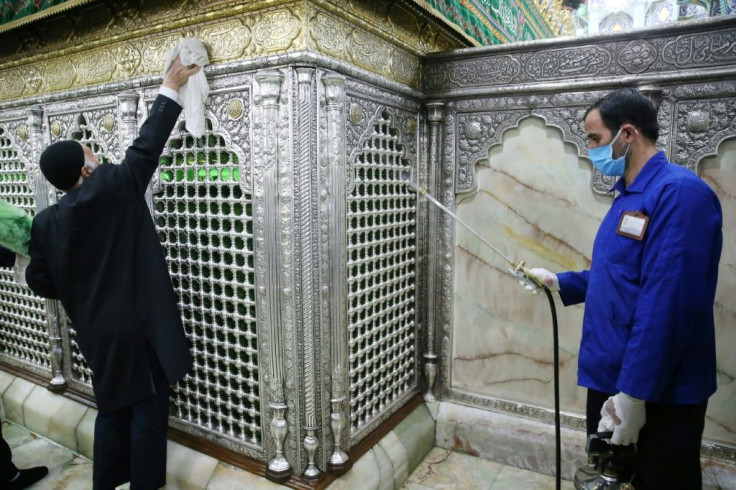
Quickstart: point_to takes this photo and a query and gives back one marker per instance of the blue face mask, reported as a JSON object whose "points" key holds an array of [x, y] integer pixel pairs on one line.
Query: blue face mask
{"points": [[602, 158]]}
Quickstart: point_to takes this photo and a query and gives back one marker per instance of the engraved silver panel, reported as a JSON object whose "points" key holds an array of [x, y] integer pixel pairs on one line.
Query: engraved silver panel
{"points": [[381, 261]]}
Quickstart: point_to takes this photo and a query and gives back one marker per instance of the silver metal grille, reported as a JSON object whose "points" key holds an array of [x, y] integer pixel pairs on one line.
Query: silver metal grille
{"points": [[23, 328], [381, 277], [204, 219]]}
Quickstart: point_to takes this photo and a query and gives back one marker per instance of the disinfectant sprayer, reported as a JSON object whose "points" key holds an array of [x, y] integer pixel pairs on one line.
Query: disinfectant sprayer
{"points": [[517, 270], [609, 465]]}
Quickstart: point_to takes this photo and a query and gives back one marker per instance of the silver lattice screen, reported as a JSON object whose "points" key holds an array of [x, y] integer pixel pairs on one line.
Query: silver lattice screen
{"points": [[23, 329], [381, 277], [204, 220]]}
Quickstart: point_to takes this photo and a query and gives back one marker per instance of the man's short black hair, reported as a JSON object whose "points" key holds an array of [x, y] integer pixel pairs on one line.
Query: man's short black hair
{"points": [[628, 106]]}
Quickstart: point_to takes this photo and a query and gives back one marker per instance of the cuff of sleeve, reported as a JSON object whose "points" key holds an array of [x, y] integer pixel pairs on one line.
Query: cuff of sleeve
{"points": [[170, 93], [631, 398]]}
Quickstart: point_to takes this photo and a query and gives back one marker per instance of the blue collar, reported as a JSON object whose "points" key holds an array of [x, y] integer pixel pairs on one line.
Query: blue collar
{"points": [[647, 173]]}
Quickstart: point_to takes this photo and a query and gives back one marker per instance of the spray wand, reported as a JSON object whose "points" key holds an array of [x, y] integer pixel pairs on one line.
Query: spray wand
{"points": [[516, 269]]}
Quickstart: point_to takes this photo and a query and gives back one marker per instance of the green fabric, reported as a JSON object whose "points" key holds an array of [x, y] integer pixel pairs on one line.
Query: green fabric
{"points": [[11, 10], [15, 228], [493, 21]]}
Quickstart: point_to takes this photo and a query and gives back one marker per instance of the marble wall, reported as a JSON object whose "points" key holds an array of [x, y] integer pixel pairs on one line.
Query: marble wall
{"points": [[720, 173], [534, 202]]}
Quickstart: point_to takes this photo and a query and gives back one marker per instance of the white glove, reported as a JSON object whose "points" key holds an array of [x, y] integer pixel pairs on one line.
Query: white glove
{"points": [[628, 414], [21, 262], [545, 277], [606, 423]]}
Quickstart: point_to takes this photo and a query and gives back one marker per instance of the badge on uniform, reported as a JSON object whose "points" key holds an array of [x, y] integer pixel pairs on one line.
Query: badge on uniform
{"points": [[632, 224]]}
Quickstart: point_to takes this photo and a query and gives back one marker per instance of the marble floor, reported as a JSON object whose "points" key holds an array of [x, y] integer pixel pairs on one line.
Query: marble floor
{"points": [[440, 469], [450, 470]]}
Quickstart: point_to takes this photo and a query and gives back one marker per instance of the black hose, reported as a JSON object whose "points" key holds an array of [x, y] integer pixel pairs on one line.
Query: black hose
{"points": [[556, 378]]}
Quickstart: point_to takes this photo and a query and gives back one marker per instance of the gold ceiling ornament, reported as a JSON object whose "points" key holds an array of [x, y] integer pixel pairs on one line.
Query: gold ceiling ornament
{"points": [[235, 108], [328, 34], [558, 18], [12, 83], [277, 30], [108, 122], [231, 31], [56, 129], [59, 74], [128, 58], [403, 68], [153, 52], [22, 132], [402, 20], [33, 79], [96, 66], [227, 40]]}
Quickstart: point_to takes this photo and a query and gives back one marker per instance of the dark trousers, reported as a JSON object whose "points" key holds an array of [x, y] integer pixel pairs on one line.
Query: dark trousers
{"points": [[130, 443], [7, 468], [668, 451]]}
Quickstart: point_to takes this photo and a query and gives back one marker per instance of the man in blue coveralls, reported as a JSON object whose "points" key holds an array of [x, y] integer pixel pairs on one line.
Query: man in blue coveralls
{"points": [[647, 354]]}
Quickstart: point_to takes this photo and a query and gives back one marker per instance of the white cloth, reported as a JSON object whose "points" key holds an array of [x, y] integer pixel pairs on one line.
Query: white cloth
{"points": [[193, 94]]}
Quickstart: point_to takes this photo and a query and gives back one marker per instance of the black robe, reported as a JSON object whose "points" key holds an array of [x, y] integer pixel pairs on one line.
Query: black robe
{"points": [[98, 252]]}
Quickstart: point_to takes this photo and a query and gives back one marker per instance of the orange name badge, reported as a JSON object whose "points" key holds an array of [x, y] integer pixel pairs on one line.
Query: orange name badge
{"points": [[632, 224]]}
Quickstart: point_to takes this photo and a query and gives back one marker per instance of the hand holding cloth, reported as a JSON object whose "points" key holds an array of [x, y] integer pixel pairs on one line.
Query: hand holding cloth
{"points": [[193, 94]]}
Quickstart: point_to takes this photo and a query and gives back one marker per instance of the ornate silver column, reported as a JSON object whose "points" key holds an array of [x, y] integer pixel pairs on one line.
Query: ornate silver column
{"points": [[269, 90], [128, 111], [307, 264], [45, 196], [434, 116], [339, 462]]}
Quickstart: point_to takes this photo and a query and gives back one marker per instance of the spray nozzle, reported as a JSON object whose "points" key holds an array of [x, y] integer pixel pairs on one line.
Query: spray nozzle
{"points": [[407, 178], [522, 274], [517, 270]]}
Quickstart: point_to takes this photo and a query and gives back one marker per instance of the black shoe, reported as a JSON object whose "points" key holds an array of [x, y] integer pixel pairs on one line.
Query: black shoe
{"points": [[28, 477]]}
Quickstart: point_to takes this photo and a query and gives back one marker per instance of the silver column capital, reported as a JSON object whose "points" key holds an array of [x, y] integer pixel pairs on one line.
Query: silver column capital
{"points": [[334, 89], [304, 74], [435, 111], [653, 93], [128, 105], [269, 87]]}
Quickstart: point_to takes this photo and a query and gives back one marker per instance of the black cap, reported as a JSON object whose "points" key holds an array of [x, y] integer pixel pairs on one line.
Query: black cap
{"points": [[61, 163]]}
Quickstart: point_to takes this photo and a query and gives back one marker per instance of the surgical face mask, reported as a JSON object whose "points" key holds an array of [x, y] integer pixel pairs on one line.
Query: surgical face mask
{"points": [[602, 158]]}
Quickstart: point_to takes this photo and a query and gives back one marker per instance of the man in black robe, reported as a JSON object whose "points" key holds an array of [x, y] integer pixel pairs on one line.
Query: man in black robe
{"points": [[97, 251]]}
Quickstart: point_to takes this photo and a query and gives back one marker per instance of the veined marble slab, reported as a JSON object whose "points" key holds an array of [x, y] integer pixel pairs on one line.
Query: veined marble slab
{"points": [[720, 173], [534, 202]]}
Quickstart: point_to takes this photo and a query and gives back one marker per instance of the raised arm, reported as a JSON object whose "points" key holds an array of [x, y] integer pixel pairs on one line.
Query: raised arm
{"points": [[141, 157]]}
